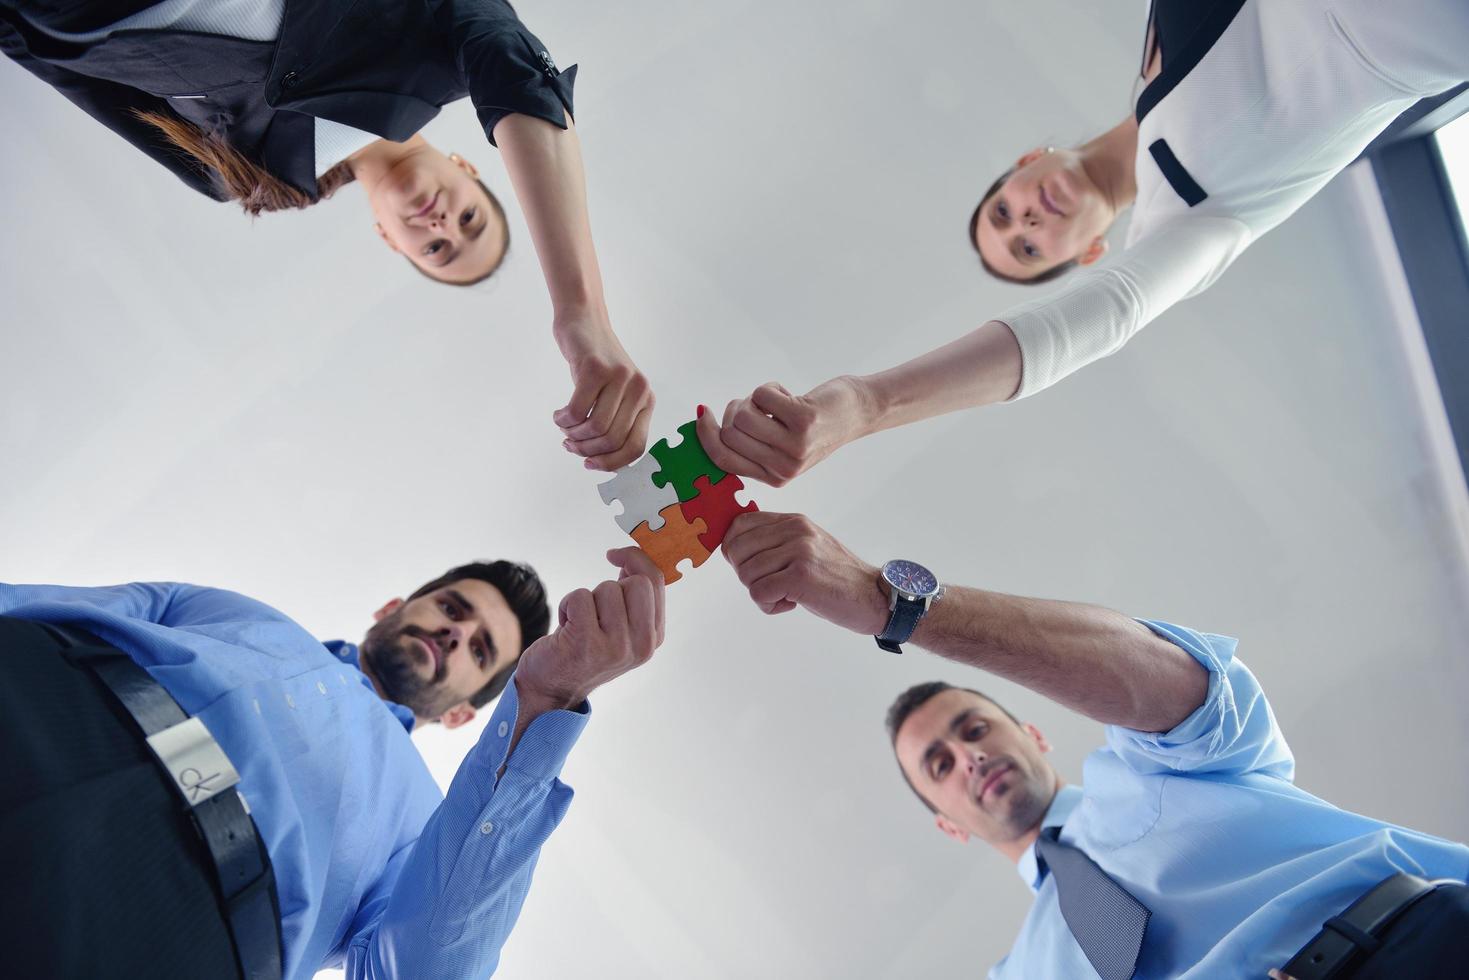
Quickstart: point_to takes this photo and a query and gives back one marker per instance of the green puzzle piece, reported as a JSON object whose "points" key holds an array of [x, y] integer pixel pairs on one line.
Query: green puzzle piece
{"points": [[684, 463]]}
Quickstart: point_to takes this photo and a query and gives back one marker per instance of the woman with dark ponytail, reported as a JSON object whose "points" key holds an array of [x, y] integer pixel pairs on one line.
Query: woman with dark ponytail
{"points": [[276, 104]]}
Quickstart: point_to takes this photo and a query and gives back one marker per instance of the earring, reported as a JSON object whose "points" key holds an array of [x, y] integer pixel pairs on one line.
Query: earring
{"points": [[470, 168]]}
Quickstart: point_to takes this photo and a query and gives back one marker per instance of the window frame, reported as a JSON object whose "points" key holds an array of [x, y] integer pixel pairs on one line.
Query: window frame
{"points": [[1432, 243]]}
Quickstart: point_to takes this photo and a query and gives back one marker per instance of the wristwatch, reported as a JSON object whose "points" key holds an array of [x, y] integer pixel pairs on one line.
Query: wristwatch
{"points": [[911, 590]]}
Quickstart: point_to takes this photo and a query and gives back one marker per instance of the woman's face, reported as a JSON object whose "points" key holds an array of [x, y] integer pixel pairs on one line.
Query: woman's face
{"points": [[432, 209], [1048, 211]]}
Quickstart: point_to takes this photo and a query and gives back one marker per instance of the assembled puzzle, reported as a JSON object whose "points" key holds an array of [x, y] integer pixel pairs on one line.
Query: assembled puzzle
{"points": [[676, 503]]}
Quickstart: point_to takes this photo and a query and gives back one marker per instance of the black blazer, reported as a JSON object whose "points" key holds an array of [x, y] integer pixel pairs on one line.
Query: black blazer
{"points": [[383, 66]]}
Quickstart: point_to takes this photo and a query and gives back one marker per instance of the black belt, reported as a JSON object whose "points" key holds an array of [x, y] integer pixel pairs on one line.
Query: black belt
{"points": [[1347, 939], [205, 779]]}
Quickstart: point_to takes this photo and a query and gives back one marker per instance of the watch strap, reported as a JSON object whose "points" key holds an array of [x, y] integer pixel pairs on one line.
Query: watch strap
{"points": [[901, 624]]}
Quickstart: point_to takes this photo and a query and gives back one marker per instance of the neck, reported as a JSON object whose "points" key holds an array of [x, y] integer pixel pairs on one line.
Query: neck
{"points": [[1015, 849], [374, 160], [1110, 162]]}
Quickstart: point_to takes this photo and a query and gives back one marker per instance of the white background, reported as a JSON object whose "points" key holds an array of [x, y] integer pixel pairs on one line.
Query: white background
{"points": [[779, 192]]}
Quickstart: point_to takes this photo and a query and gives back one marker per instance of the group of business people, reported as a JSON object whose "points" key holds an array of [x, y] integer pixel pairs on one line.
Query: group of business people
{"points": [[197, 787]]}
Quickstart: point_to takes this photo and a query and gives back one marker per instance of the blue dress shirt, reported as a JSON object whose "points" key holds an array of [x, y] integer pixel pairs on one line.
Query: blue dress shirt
{"points": [[376, 870], [1203, 825]]}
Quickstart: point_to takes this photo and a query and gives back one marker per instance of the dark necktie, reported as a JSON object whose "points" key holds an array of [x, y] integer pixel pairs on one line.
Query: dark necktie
{"points": [[1106, 921]]}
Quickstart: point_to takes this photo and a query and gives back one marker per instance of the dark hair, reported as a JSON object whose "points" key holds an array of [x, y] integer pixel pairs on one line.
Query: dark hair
{"points": [[1060, 269], [504, 245], [913, 699], [524, 593], [240, 178]]}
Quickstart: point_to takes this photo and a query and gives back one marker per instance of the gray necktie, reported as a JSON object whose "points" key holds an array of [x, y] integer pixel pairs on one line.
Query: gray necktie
{"points": [[1107, 922]]}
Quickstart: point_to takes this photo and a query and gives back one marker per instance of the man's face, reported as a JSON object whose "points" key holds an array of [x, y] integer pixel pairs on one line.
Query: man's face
{"points": [[433, 652], [982, 772], [430, 208]]}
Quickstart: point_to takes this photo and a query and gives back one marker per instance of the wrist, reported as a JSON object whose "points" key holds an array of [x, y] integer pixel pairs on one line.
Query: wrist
{"points": [[579, 313], [878, 602], [872, 403], [536, 701]]}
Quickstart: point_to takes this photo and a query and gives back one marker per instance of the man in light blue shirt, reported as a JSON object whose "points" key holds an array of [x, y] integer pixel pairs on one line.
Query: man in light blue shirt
{"points": [[1187, 841], [376, 871]]}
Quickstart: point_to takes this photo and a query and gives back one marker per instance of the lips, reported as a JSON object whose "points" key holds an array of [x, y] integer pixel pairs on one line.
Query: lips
{"points": [[427, 207], [435, 656], [992, 779]]}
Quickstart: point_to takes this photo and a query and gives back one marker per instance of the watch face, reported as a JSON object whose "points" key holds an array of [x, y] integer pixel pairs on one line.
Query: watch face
{"points": [[910, 577]]}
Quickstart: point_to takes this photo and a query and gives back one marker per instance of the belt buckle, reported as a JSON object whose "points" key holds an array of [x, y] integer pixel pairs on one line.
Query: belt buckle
{"points": [[198, 766]]}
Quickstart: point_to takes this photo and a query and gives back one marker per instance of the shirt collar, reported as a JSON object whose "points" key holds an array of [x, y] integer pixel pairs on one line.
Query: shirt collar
{"points": [[1066, 800], [348, 654]]}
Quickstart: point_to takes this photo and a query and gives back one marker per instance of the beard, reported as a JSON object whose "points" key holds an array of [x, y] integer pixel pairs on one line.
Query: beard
{"points": [[388, 651]]}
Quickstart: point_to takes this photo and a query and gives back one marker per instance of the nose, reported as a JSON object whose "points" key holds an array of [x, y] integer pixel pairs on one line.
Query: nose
{"points": [[449, 637], [1032, 217]]}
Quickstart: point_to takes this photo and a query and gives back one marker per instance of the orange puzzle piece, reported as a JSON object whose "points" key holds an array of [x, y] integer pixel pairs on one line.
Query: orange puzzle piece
{"points": [[675, 541]]}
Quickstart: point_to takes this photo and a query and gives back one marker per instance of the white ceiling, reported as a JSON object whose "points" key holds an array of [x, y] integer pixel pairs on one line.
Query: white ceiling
{"points": [[779, 192]]}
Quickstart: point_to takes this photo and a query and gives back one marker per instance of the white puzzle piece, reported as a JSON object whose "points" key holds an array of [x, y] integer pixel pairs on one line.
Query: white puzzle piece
{"points": [[641, 498]]}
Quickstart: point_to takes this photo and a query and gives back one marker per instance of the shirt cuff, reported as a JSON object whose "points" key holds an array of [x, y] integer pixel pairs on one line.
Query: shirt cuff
{"points": [[1205, 718], [522, 77], [546, 742]]}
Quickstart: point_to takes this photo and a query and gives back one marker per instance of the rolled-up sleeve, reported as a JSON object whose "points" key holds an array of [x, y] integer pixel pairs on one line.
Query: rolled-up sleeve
{"points": [[506, 68], [1233, 731], [1095, 313], [446, 905]]}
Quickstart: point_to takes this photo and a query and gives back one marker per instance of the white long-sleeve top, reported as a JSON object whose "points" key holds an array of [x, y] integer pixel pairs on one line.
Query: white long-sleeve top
{"points": [[1286, 96]]}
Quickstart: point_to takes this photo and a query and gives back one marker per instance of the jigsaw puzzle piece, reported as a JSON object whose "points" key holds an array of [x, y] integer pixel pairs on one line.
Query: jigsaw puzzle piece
{"points": [[684, 463], [716, 507], [642, 500], [678, 540]]}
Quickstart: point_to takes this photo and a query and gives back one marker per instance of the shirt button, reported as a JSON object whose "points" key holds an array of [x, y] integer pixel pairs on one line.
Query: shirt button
{"points": [[486, 827], [289, 80], [504, 727], [321, 687], [290, 701]]}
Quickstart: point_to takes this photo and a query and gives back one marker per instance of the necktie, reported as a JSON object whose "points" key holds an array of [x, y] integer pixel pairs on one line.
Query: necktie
{"points": [[1106, 921]]}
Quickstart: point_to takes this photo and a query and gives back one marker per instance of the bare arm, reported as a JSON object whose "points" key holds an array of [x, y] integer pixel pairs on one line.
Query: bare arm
{"points": [[1090, 659], [544, 162], [980, 368], [774, 435], [611, 405]]}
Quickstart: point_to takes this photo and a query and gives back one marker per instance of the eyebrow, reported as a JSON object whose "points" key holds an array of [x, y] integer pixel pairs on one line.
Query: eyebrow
{"points": [[469, 610]]}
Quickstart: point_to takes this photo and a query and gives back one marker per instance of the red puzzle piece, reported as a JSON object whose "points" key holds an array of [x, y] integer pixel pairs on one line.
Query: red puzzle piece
{"points": [[716, 504]]}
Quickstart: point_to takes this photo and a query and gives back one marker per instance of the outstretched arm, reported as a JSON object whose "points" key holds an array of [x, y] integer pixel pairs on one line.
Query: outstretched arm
{"points": [[611, 405], [1089, 659], [446, 905], [775, 436]]}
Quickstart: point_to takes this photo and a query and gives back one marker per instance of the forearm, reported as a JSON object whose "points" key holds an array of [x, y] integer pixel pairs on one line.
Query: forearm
{"points": [[980, 368], [1087, 658], [545, 166]]}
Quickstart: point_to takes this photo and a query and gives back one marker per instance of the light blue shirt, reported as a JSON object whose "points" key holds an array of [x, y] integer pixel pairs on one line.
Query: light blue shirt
{"points": [[376, 870], [1203, 825]]}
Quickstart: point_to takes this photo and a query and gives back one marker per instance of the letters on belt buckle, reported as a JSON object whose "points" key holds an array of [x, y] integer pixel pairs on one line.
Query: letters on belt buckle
{"points": [[194, 760]]}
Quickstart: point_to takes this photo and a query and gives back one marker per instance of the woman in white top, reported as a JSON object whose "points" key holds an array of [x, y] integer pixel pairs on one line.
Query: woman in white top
{"points": [[1249, 108]]}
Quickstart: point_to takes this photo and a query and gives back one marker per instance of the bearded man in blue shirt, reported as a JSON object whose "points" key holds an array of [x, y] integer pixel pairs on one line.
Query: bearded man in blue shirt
{"points": [[277, 817], [1187, 851]]}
